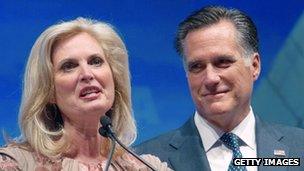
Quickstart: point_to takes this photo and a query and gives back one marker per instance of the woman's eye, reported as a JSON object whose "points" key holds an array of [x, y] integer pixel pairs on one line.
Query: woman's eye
{"points": [[96, 61], [68, 66]]}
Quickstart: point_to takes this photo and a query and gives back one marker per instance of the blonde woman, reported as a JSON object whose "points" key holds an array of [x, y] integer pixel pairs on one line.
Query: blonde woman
{"points": [[77, 72]]}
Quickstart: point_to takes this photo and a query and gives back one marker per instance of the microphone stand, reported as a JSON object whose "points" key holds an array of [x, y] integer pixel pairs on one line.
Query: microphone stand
{"points": [[107, 131], [110, 155], [133, 154]]}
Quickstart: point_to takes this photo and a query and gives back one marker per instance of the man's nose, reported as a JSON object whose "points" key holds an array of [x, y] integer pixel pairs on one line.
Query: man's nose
{"points": [[86, 74], [211, 77]]}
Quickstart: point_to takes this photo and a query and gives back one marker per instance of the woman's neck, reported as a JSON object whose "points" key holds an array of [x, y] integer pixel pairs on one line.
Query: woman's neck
{"points": [[85, 141]]}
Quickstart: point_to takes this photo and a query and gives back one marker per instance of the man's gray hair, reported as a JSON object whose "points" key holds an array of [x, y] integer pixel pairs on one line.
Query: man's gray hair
{"points": [[246, 30]]}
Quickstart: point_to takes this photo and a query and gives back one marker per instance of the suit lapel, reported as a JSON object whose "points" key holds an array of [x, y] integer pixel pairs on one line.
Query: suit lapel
{"points": [[268, 140], [189, 152]]}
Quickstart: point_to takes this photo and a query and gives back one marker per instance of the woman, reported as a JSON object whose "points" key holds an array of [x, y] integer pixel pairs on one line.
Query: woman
{"points": [[77, 72]]}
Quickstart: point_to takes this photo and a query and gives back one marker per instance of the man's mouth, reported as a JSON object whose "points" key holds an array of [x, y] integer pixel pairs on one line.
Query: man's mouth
{"points": [[214, 94]]}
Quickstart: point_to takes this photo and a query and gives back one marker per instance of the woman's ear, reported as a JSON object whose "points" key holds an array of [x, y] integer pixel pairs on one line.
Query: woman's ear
{"points": [[52, 100]]}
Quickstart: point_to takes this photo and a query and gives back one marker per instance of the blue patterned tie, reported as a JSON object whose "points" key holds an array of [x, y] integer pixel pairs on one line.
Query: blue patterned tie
{"points": [[231, 141]]}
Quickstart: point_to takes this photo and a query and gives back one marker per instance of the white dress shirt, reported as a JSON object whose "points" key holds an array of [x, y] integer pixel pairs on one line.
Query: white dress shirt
{"points": [[218, 155]]}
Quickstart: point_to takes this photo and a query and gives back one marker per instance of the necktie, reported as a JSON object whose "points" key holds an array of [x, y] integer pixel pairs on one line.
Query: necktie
{"points": [[231, 141]]}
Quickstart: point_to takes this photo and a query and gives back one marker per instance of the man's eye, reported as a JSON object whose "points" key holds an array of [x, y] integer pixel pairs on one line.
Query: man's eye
{"points": [[68, 66], [96, 61], [195, 67], [223, 63]]}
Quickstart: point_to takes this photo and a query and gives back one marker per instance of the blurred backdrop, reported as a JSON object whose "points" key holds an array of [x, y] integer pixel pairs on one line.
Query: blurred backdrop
{"points": [[161, 100]]}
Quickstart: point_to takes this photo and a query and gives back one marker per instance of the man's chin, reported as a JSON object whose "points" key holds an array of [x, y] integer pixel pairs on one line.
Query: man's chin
{"points": [[217, 112], [216, 115], [218, 109]]}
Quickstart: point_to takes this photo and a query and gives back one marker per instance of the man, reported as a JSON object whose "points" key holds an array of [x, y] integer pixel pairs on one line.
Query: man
{"points": [[219, 47]]}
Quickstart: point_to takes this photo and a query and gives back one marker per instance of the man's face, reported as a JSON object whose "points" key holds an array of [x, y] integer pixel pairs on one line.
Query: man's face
{"points": [[219, 79]]}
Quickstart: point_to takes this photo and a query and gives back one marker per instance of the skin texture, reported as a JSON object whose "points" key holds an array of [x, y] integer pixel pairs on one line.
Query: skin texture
{"points": [[219, 79], [84, 91]]}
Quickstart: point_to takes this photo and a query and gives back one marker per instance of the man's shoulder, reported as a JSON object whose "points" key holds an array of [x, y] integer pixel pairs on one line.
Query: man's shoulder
{"points": [[286, 129], [274, 128], [160, 141], [158, 146], [290, 131], [165, 142], [289, 135]]}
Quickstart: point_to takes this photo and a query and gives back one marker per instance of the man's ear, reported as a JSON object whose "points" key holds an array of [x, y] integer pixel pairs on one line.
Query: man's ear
{"points": [[255, 66]]}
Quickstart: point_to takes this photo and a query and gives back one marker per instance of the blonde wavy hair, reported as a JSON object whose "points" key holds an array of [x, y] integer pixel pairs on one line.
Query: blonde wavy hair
{"points": [[40, 121]]}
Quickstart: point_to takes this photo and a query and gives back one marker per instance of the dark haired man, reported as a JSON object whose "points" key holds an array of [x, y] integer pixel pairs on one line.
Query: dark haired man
{"points": [[219, 47]]}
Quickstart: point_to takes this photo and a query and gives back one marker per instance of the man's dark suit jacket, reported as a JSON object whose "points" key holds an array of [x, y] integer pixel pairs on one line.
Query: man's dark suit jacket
{"points": [[182, 148]]}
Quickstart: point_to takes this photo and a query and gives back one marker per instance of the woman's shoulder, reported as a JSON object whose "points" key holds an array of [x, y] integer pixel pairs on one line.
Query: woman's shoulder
{"points": [[12, 157], [156, 162], [128, 162], [20, 157], [7, 162]]}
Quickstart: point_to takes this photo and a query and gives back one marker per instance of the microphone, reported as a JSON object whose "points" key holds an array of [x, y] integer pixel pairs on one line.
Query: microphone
{"points": [[107, 131]]}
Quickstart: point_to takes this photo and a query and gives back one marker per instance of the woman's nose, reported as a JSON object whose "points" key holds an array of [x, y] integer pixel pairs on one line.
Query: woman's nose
{"points": [[86, 74]]}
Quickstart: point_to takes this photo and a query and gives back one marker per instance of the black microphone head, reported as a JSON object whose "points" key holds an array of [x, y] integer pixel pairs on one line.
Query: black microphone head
{"points": [[106, 129], [105, 121], [102, 131]]}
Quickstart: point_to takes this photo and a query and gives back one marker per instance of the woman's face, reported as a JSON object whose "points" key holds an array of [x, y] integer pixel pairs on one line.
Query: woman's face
{"points": [[83, 79]]}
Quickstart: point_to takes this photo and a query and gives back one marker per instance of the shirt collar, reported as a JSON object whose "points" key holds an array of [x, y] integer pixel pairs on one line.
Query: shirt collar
{"points": [[246, 130], [210, 134]]}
